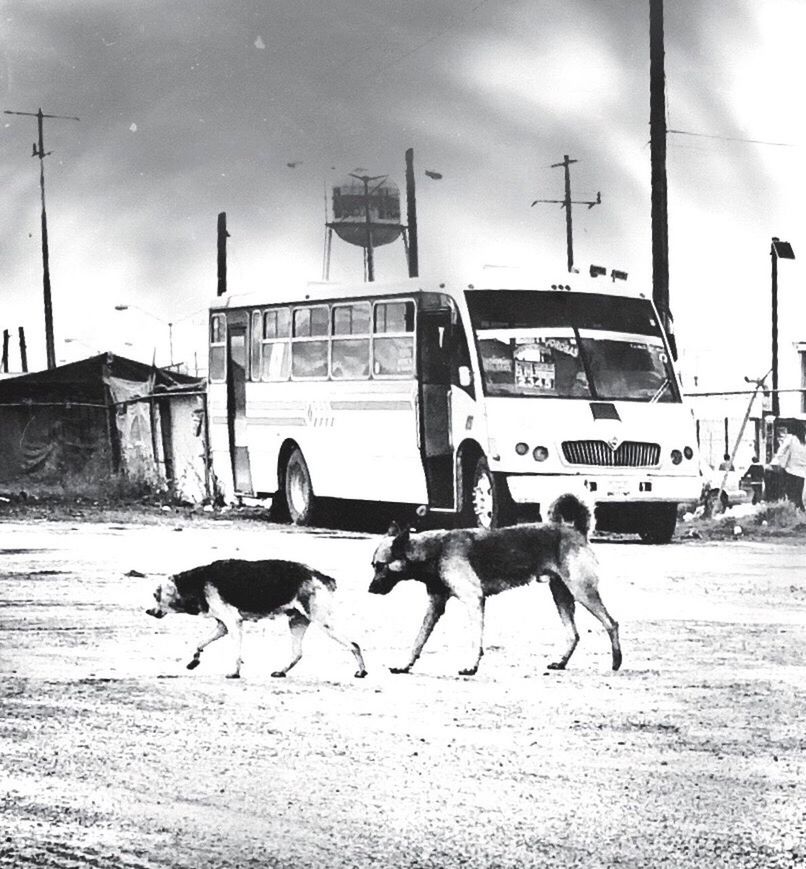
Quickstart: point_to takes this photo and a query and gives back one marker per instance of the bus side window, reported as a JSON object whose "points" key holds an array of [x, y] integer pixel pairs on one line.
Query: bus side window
{"points": [[275, 356], [393, 339], [309, 342], [349, 354], [218, 348], [255, 346]]}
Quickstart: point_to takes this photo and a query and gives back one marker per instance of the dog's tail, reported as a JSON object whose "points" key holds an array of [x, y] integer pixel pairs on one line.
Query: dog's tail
{"points": [[568, 509], [327, 581]]}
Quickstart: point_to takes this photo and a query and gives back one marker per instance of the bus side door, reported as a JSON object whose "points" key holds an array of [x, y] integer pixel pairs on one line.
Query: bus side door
{"points": [[434, 356], [237, 346]]}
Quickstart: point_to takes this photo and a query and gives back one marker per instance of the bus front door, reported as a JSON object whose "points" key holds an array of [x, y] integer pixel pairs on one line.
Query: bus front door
{"points": [[435, 403], [236, 405]]}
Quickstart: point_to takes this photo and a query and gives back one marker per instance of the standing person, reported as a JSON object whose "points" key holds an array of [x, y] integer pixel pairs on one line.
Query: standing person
{"points": [[755, 476], [791, 458]]}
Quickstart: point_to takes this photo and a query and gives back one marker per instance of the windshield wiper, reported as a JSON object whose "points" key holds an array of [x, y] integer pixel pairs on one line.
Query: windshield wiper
{"points": [[660, 390]]}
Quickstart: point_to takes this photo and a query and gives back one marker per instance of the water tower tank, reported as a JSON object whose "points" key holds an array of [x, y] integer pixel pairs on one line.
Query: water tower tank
{"points": [[351, 199]]}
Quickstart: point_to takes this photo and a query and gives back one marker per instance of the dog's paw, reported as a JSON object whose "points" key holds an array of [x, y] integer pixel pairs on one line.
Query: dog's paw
{"points": [[399, 669], [470, 671], [556, 665], [278, 674], [233, 676], [359, 674], [193, 664]]}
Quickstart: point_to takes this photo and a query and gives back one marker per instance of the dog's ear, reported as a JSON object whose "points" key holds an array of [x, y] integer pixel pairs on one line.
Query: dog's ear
{"points": [[400, 543]]}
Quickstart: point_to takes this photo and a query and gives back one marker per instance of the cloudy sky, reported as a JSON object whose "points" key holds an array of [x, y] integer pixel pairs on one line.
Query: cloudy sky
{"points": [[192, 107]]}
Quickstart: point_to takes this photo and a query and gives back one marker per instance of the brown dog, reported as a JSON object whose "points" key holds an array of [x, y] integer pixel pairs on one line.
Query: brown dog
{"points": [[472, 564]]}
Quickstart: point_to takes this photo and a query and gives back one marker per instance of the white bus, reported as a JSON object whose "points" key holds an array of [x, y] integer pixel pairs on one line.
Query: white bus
{"points": [[478, 401]]}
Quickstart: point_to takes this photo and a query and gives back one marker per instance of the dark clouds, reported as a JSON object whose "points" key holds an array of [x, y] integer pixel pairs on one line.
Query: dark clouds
{"points": [[196, 106]]}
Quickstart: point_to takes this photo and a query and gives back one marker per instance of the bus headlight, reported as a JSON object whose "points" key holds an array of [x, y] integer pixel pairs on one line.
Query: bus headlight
{"points": [[540, 454], [521, 448], [677, 457], [688, 453]]}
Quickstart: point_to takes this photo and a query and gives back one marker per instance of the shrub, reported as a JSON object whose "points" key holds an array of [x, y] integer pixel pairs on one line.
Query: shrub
{"points": [[779, 514]]}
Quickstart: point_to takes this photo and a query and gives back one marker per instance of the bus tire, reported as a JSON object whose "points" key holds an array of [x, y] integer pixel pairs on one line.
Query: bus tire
{"points": [[487, 501], [659, 523], [298, 489]]}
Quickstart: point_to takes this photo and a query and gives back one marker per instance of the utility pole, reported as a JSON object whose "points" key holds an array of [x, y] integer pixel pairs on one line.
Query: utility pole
{"points": [[411, 216], [23, 351], [223, 235], [566, 202], [39, 151], [657, 134]]}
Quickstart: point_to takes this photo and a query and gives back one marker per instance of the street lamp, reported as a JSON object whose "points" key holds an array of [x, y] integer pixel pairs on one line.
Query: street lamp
{"points": [[778, 250], [170, 325]]}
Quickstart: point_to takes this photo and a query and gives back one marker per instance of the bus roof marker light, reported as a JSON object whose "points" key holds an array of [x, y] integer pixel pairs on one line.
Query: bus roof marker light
{"points": [[597, 271], [617, 275]]}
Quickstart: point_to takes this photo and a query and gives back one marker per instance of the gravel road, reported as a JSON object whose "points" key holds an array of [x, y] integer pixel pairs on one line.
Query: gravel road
{"points": [[113, 755]]}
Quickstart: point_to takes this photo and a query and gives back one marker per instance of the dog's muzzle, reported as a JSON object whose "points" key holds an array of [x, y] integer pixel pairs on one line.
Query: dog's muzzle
{"points": [[158, 614], [383, 583]]}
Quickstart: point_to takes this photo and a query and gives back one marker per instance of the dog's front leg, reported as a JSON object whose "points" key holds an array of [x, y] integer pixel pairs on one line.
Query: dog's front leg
{"points": [[220, 631], [436, 607], [235, 627], [475, 609]]}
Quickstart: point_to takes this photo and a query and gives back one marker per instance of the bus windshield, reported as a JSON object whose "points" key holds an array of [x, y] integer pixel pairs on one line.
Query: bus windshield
{"points": [[568, 345]]}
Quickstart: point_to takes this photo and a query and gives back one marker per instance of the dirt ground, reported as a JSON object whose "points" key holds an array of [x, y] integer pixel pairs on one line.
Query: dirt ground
{"points": [[112, 754]]}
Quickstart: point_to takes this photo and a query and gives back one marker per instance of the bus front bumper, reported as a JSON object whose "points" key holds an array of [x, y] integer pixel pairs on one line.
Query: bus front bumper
{"points": [[601, 488]]}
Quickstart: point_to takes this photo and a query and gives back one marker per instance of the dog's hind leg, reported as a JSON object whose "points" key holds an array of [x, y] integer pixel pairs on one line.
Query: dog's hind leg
{"points": [[322, 613], [582, 580], [564, 601], [593, 603], [297, 624], [436, 607], [220, 631], [328, 628]]}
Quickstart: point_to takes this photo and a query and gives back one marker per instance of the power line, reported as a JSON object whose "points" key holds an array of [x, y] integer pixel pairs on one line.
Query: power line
{"points": [[732, 139]]}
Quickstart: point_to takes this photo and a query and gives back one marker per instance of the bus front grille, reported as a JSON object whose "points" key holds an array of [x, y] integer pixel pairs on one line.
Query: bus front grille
{"points": [[628, 454]]}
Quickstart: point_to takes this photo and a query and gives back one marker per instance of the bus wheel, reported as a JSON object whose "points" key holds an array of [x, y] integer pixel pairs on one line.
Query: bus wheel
{"points": [[299, 496], [487, 503], [659, 523]]}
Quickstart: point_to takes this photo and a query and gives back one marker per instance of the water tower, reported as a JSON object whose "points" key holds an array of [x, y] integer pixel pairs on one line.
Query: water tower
{"points": [[366, 213]]}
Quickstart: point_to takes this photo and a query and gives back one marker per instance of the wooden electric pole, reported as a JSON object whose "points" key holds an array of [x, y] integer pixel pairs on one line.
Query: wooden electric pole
{"points": [[411, 216], [657, 133], [566, 202], [39, 151]]}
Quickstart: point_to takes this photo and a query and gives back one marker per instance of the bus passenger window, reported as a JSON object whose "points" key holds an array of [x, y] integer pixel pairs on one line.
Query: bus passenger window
{"points": [[393, 340], [218, 348], [349, 354], [276, 332], [308, 353], [255, 346]]}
